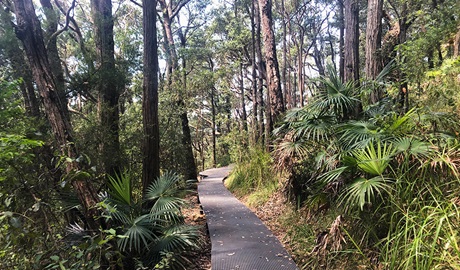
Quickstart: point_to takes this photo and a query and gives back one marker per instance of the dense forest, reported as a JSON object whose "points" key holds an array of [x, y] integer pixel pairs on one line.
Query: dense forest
{"points": [[347, 109]]}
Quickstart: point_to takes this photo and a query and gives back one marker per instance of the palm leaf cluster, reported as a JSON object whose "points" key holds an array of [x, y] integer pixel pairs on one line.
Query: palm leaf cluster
{"points": [[377, 167], [147, 235]]}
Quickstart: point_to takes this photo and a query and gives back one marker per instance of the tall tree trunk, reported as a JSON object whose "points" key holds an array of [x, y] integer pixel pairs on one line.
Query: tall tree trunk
{"points": [[457, 43], [151, 146], [213, 112], [261, 70], [244, 117], [373, 65], [22, 70], [318, 59], [285, 49], [351, 46], [108, 94], [404, 24], [189, 161], [341, 40], [300, 78], [255, 113], [30, 33], [273, 74], [52, 49]]}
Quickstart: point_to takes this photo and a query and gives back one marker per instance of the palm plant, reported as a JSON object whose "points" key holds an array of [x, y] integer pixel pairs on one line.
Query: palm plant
{"points": [[394, 175], [335, 96], [148, 234]]}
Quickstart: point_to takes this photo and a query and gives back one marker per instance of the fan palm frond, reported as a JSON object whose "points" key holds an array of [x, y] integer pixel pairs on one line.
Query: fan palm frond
{"points": [[387, 70], [374, 159], [175, 240], [165, 185], [316, 127], [138, 235], [164, 194], [358, 134], [335, 95], [120, 187], [413, 146], [333, 175], [363, 191], [178, 237]]}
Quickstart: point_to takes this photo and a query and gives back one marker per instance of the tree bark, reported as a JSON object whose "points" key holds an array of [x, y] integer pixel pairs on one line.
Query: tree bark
{"points": [[261, 70], [285, 49], [244, 117], [273, 75], [255, 113], [373, 65], [457, 43], [151, 146], [300, 78], [351, 46], [168, 14], [21, 70], [30, 33], [214, 139], [341, 40], [52, 49], [404, 24], [108, 93]]}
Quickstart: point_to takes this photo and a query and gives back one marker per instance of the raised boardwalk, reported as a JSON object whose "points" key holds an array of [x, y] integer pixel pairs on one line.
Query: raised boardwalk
{"points": [[239, 239]]}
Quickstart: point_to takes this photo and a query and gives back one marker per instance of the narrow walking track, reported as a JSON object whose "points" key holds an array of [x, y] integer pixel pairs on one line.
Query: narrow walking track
{"points": [[239, 239]]}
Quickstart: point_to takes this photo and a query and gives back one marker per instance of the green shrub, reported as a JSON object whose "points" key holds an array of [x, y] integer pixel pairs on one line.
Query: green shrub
{"points": [[253, 173]]}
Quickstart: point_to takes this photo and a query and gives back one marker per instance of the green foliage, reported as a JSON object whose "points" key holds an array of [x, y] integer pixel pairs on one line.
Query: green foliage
{"points": [[253, 172], [393, 177], [150, 235]]}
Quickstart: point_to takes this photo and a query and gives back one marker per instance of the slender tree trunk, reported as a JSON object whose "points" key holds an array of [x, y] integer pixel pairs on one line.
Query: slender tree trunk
{"points": [[151, 146], [402, 37], [108, 94], [243, 103], [186, 139], [300, 83], [318, 59], [213, 112], [29, 31], [457, 43], [261, 70], [341, 40], [273, 75], [255, 113], [22, 70], [285, 48], [373, 64]]}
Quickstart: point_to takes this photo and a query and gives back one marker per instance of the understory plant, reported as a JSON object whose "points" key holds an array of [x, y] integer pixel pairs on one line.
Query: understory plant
{"points": [[143, 232], [390, 179], [253, 174]]}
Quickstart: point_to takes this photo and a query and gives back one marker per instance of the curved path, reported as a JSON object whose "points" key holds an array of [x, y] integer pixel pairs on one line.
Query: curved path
{"points": [[239, 239]]}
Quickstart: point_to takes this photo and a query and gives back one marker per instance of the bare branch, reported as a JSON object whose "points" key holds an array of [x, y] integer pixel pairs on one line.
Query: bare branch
{"points": [[67, 21], [176, 9], [136, 3]]}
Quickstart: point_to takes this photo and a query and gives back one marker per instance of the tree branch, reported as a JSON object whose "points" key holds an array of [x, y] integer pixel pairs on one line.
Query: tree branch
{"points": [[67, 21], [176, 10]]}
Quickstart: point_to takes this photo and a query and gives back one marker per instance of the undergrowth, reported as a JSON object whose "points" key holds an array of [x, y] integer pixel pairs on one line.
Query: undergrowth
{"points": [[253, 176]]}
